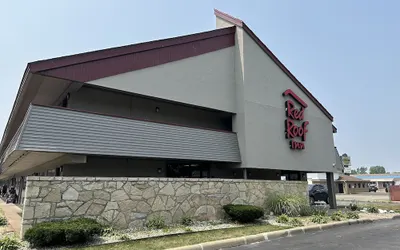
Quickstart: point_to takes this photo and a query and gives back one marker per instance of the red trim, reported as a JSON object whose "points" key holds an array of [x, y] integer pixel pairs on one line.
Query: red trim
{"points": [[296, 97], [334, 129], [103, 63], [228, 18], [131, 118], [241, 24]]}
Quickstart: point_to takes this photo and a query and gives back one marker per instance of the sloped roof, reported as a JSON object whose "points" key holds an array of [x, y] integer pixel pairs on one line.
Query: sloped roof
{"points": [[98, 64], [237, 22], [350, 178]]}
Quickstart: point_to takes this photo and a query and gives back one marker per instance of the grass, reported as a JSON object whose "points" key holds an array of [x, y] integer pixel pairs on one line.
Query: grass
{"points": [[187, 239], [388, 206]]}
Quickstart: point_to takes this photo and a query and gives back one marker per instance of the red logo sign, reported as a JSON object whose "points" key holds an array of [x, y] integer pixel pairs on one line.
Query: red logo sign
{"points": [[295, 127]]}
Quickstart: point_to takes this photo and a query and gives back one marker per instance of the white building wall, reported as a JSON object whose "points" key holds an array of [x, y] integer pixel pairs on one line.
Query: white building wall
{"points": [[206, 80]]}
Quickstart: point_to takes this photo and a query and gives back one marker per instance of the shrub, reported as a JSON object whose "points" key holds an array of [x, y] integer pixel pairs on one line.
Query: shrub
{"points": [[243, 213], [354, 207], [108, 231], [186, 221], [285, 204], [372, 209], [62, 232], [3, 221], [337, 216], [296, 222], [9, 243], [283, 219], [320, 210], [319, 219], [306, 210], [352, 215], [156, 222]]}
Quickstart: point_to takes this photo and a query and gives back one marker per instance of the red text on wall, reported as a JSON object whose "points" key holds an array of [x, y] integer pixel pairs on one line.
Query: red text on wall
{"points": [[295, 126]]}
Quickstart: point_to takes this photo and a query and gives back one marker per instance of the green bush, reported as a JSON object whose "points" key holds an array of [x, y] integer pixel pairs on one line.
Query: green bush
{"points": [[320, 210], [296, 222], [354, 207], [109, 231], [3, 221], [156, 222], [306, 210], [283, 219], [319, 219], [372, 209], [9, 243], [290, 205], [57, 233], [243, 213], [186, 221], [352, 215], [337, 216]]}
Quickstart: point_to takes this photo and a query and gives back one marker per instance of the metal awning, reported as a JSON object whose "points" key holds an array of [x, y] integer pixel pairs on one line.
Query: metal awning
{"points": [[64, 131]]}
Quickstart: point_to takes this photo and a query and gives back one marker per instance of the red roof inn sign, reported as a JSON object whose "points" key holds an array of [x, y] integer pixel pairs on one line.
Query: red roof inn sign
{"points": [[295, 126]]}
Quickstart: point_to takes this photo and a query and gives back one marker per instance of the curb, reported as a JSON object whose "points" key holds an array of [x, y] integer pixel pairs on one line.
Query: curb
{"points": [[245, 240]]}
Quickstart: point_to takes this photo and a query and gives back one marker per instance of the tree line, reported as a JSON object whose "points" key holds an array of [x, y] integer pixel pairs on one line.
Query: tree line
{"points": [[370, 170]]}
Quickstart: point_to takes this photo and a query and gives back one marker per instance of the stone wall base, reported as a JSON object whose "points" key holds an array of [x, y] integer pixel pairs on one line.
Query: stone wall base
{"points": [[130, 202]]}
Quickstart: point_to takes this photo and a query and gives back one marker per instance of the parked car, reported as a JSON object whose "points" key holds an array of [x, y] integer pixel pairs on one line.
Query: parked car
{"points": [[318, 192], [373, 188]]}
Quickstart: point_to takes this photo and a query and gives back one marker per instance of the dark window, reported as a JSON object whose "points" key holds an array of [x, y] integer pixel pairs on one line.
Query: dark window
{"points": [[349, 186], [363, 185], [359, 185]]}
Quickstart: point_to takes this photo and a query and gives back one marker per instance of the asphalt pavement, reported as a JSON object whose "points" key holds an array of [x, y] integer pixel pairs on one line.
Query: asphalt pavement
{"points": [[377, 235]]}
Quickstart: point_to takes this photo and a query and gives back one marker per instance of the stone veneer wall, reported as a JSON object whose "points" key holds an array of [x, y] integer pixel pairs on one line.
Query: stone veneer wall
{"points": [[129, 202]]}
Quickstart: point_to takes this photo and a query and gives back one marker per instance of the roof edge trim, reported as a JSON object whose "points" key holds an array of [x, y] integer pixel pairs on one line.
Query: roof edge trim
{"points": [[63, 61]]}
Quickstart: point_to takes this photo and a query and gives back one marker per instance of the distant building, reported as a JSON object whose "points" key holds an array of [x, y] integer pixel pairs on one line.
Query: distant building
{"points": [[346, 184], [380, 180]]}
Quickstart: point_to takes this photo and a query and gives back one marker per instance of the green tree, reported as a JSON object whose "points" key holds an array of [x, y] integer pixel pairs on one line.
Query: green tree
{"points": [[377, 170], [361, 170]]}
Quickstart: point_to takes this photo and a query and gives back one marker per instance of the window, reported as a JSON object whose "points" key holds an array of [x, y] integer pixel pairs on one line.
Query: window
{"points": [[363, 185], [349, 186], [359, 185]]}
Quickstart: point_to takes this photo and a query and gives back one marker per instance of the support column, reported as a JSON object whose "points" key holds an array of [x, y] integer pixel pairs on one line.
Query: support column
{"points": [[330, 182], [245, 173]]}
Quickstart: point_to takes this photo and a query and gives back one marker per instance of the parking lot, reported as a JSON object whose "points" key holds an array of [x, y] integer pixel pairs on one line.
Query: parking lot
{"points": [[364, 197]]}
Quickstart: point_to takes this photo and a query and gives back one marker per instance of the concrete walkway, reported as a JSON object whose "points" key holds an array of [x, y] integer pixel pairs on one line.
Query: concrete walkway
{"points": [[14, 216]]}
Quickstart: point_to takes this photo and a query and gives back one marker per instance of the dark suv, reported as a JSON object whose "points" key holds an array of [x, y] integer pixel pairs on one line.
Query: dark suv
{"points": [[318, 192]]}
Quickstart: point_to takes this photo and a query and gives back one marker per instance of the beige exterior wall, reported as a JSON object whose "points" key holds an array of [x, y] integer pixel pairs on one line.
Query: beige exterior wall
{"points": [[206, 80], [266, 145]]}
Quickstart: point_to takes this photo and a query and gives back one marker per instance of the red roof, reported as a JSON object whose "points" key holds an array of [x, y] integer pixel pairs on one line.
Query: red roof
{"points": [[242, 25], [108, 62]]}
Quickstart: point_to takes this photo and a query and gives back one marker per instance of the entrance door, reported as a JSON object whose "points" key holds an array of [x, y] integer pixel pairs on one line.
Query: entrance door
{"points": [[341, 188], [188, 170]]}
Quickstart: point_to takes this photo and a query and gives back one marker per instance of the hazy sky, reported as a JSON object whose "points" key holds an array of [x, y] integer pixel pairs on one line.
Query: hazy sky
{"points": [[345, 52]]}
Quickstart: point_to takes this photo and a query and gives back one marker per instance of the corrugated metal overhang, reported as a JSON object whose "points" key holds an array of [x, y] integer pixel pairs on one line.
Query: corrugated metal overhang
{"points": [[53, 129]]}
